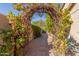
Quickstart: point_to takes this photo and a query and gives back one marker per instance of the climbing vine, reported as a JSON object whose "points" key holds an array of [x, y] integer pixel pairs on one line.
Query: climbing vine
{"points": [[61, 44]]}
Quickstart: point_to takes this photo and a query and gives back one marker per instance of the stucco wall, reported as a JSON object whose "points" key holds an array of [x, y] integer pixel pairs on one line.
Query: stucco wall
{"points": [[75, 26]]}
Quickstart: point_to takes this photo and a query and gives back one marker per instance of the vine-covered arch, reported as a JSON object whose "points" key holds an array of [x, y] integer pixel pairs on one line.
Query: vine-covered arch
{"points": [[21, 29], [47, 8], [61, 26]]}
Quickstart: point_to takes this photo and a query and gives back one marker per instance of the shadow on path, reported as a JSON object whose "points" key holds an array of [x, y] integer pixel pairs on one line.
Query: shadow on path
{"points": [[39, 46]]}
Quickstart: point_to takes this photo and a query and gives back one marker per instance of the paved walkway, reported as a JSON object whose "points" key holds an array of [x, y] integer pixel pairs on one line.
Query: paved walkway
{"points": [[40, 46]]}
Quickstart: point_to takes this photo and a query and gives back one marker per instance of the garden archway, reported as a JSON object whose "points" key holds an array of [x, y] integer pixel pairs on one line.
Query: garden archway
{"points": [[59, 30], [46, 8]]}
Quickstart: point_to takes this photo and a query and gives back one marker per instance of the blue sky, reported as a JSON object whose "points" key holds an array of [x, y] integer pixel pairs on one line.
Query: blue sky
{"points": [[37, 17], [5, 8]]}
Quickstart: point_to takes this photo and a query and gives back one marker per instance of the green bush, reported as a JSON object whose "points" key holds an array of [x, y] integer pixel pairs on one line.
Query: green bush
{"points": [[6, 37]]}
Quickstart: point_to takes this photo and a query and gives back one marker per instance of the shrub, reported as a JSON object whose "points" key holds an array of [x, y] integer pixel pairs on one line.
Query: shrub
{"points": [[6, 46]]}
